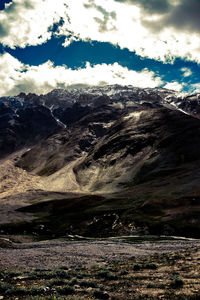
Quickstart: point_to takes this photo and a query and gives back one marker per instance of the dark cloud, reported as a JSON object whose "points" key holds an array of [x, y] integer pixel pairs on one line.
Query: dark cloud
{"points": [[103, 23], [185, 16], [13, 7], [106, 17], [75, 86], [151, 6], [3, 30], [182, 15], [27, 86]]}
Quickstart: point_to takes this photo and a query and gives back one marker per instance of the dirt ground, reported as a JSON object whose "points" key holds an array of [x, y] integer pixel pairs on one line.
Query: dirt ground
{"points": [[56, 253], [101, 269], [19, 188], [114, 268]]}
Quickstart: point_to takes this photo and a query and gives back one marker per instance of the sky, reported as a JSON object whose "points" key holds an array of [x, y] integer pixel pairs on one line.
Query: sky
{"points": [[48, 44]]}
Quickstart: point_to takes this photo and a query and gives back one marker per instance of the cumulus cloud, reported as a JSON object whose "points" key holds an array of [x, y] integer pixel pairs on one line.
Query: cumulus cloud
{"points": [[179, 14], [186, 72], [195, 88], [16, 77], [174, 85], [27, 22], [182, 15], [161, 30]]}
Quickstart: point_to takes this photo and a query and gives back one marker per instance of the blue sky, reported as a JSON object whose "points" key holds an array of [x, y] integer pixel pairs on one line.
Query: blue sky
{"points": [[78, 53], [102, 44], [3, 2]]}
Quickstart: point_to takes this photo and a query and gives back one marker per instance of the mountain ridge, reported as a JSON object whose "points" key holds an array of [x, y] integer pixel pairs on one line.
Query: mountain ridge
{"points": [[134, 148]]}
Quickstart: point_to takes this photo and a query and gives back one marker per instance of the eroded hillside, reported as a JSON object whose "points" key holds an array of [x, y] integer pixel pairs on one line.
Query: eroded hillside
{"points": [[116, 160]]}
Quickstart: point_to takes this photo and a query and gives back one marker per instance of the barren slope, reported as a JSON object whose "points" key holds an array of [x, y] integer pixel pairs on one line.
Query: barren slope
{"points": [[128, 162]]}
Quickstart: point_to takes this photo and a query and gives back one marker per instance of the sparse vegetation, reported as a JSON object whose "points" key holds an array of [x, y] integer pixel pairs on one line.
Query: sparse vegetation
{"points": [[151, 277], [177, 282], [66, 290]]}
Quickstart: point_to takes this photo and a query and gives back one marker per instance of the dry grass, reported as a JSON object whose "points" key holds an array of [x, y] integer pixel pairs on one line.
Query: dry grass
{"points": [[162, 276]]}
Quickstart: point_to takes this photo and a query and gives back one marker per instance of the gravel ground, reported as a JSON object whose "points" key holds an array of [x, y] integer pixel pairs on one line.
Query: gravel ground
{"points": [[56, 253]]}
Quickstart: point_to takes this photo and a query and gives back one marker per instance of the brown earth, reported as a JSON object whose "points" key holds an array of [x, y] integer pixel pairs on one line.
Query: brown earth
{"points": [[101, 269], [55, 253]]}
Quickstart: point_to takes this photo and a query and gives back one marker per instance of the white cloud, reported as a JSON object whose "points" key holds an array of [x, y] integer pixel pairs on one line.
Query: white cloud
{"points": [[10, 71], [16, 77], [129, 27], [195, 87], [174, 85], [27, 22], [162, 36], [186, 72]]}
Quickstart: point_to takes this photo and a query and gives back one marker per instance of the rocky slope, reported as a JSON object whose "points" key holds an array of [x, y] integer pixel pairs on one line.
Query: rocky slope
{"points": [[136, 148], [27, 119]]}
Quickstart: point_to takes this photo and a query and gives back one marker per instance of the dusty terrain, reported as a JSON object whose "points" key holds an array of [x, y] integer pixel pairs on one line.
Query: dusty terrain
{"points": [[13, 182], [55, 253], [19, 188], [101, 269]]}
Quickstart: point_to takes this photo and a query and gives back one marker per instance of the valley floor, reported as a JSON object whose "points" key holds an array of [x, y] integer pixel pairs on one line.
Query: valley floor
{"points": [[112, 268], [100, 269], [56, 253]]}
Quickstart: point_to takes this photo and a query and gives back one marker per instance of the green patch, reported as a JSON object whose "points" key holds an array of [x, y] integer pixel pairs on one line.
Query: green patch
{"points": [[106, 274], [177, 282], [66, 290]]}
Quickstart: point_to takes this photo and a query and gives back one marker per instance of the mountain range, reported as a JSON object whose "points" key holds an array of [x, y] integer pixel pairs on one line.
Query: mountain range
{"points": [[104, 161]]}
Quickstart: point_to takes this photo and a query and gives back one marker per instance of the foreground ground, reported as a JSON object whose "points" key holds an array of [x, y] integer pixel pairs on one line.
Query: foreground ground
{"points": [[100, 269]]}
